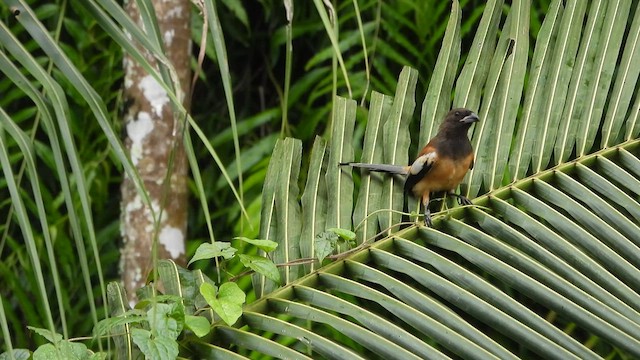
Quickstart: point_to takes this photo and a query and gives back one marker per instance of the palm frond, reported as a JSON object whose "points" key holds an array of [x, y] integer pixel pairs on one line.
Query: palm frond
{"points": [[561, 241], [564, 242]]}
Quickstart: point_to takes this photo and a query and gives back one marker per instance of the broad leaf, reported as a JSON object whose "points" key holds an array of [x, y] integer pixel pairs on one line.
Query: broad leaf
{"points": [[326, 243], [166, 320], [198, 324], [212, 250], [16, 354], [155, 347], [344, 233], [65, 350], [262, 266], [264, 245], [47, 334], [226, 301]]}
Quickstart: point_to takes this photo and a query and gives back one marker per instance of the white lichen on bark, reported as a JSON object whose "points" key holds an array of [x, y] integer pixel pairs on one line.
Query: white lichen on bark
{"points": [[137, 130], [173, 240], [154, 94]]}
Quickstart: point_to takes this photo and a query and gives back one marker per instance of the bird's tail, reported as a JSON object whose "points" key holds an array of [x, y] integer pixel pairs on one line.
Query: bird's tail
{"points": [[391, 169]]}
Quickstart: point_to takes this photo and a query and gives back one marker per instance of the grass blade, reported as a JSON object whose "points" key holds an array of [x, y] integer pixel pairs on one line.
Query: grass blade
{"points": [[327, 21], [60, 106], [223, 63], [25, 225]]}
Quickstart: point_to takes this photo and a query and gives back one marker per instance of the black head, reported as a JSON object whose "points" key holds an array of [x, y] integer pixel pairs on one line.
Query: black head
{"points": [[459, 119]]}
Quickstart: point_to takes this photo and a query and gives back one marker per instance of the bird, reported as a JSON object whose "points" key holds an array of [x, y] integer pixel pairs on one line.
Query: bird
{"points": [[441, 164]]}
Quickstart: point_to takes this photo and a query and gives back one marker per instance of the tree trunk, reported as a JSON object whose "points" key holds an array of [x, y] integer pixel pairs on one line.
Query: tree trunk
{"points": [[150, 140]]}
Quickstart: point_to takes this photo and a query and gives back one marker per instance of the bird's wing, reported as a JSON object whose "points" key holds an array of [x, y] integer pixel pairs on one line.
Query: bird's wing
{"points": [[421, 166], [423, 163]]}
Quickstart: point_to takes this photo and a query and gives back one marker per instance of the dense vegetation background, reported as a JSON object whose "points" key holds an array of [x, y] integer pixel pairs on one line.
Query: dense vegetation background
{"points": [[397, 33]]}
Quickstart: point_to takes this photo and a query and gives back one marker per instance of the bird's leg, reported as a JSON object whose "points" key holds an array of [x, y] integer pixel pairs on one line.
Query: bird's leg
{"points": [[427, 217], [427, 213], [462, 200]]}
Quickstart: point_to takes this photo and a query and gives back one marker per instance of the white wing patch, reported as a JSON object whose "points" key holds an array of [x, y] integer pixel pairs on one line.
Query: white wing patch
{"points": [[420, 162]]}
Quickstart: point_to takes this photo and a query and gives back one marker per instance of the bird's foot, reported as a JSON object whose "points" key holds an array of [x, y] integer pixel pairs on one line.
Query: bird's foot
{"points": [[462, 200], [427, 218]]}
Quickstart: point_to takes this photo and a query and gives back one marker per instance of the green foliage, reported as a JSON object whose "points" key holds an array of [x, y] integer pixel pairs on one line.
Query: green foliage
{"points": [[62, 168], [154, 347], [160, 322], [17, 354], [264, 245], [493, 81], [261, 266], [330, 241], [210, 251], [57, 348], [226, 301], [198, 324]]}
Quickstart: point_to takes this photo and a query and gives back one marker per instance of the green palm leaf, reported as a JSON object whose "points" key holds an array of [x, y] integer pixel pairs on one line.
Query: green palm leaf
{"points": [[396, 145], [314, 201], [565, 240], [545, 264], [626, 81], [370, 194]]}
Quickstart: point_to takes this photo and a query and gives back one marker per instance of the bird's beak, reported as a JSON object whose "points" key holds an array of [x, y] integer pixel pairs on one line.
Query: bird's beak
{"points": [[470, 118]]}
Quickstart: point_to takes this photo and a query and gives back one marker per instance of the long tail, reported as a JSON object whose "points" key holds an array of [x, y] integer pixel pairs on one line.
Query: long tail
{"points": [[391, 169]]}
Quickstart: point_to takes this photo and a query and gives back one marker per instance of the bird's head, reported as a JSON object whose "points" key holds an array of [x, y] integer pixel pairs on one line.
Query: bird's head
{"points": [[459, 119]]}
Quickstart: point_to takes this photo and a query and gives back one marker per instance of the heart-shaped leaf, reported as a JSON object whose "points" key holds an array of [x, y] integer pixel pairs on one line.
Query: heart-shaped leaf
{"points": [[325, 243], [155, 347], [226, 302], [198, 324]]}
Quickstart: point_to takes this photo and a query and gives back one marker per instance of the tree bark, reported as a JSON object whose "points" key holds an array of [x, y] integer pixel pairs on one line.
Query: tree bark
{"points": [[150, 140]]}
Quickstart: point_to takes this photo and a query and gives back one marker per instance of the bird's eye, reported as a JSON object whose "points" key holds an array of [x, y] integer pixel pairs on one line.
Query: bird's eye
{"points": [[457, 113]]}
